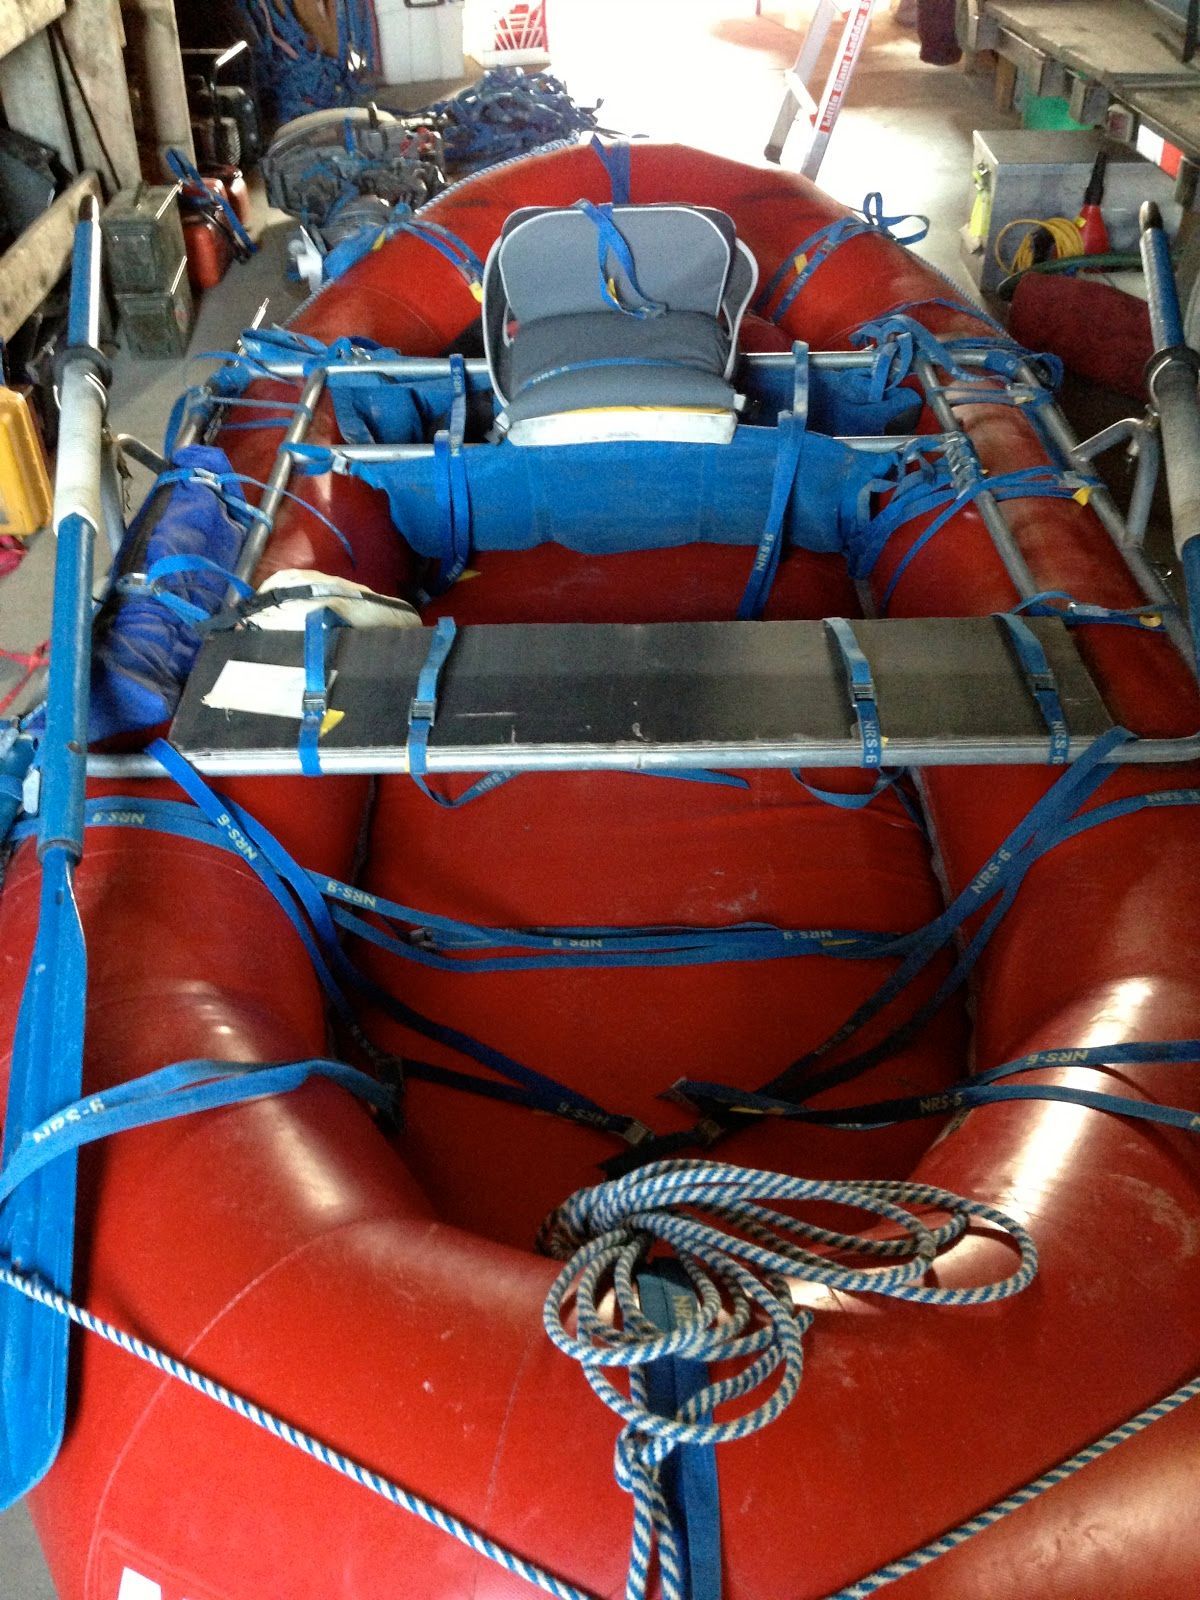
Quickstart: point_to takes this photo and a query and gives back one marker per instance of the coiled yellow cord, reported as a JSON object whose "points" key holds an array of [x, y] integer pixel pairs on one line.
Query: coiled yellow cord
{"points": [[1064, 231]]}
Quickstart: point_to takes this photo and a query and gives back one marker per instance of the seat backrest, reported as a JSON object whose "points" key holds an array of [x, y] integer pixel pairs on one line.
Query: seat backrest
{"points": [[554, 262], [549, 261]]}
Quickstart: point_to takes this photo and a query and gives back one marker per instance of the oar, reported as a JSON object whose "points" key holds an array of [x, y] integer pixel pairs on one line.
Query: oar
{"points": [[37, 1223], [1171, 380]]}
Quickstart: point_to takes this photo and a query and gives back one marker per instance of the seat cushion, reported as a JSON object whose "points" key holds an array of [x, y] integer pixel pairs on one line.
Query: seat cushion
{"points": [[597, 359]]}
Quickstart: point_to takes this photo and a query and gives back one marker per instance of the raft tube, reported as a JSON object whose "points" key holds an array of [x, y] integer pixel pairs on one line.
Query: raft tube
{"points": [[383, 1294]]}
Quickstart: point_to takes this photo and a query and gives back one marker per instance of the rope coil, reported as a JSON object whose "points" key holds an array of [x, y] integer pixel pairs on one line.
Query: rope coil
{"points": [[738, 1254]]}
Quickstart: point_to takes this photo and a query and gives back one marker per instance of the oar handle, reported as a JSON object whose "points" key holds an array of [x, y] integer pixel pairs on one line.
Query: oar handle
{"points": [[1171, 380]]}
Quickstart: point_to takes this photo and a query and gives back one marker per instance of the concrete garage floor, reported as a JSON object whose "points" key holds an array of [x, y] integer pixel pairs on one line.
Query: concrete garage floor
{"points": [[706, 72]]}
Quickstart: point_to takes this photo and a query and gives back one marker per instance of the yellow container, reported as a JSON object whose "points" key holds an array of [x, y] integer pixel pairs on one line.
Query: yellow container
{"points": [[25, 499]]}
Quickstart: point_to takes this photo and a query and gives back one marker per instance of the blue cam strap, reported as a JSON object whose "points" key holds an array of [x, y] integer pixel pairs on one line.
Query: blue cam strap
{"points": [[422, 714], [863, 700], [1039, 675], [319, 627], [180, 1090], [451, 485]]}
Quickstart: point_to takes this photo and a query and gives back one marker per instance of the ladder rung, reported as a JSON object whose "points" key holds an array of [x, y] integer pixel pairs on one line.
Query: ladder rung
{"points": [[802, 94]]}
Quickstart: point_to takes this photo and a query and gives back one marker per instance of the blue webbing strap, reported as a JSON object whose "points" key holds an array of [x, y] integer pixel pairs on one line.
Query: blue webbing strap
{"points": [[612, 243], [319, 627], [998, 881], [872, 211], [1042, 684], [451, 485], [1050, 822], [617, 161], [929, 489], [860, 799], [899, 339], [1026, 483], [422, 714], [861, 684], [152, 587], [220, 483], [456, 250], [429, 934], [180, 1090], [982, 1089], [817, 248], [792, 429], [299, 898], [1075, 613], [689, 1474], [187, 174]]}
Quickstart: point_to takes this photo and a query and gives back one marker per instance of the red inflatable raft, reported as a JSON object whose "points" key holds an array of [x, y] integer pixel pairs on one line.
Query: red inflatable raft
{"points": [[380, 1290]]}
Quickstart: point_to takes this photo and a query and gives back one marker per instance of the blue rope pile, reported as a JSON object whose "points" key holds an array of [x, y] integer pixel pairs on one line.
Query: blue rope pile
{"points": [[506, 113], [294, 76], [737, 1254]]}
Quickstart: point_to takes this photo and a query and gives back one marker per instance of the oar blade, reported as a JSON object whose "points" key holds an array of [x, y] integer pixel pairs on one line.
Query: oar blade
{"points": [[37, 1222]]}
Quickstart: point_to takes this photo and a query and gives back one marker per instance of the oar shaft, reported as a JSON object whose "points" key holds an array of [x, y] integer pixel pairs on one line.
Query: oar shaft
{"points": [[1171, 380], [78, 515]]}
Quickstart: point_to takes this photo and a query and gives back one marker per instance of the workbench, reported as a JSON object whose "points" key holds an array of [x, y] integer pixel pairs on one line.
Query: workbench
{"points": [[1116, 62]]}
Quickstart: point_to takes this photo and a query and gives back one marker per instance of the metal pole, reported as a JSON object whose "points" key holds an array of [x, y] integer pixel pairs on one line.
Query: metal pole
{"points": [[281, 472], [1148, 580], [994, 520]]}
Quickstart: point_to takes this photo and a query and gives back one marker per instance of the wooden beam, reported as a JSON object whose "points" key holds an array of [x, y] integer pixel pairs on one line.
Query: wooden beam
{"points": [[94, 37], [21, 19], [31, 267]]}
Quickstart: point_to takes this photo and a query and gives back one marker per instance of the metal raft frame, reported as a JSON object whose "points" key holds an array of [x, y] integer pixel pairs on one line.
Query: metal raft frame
{"points": [[674, 696]]}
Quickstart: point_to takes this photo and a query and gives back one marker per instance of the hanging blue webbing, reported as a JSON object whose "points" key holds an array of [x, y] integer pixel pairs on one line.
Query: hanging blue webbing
{"points": [[422, 714], [689, 1474], [451, 486], [180, 1090], [792, 429], [921, 483], [302, 903], [616, 158], [980, 1089], [320, 626]]}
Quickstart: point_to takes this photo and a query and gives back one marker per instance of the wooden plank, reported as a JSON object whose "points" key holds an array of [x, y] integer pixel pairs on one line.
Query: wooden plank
{"points": [[1105, 39], [21, 19], [31, 267], [1172, 113], [93, 34]]}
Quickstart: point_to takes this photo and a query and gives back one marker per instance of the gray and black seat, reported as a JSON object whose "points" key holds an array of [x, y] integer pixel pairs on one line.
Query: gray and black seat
{"points": [[616, 322]]}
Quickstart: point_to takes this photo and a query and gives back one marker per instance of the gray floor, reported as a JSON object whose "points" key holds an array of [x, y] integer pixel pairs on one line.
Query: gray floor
{"points": [[706, 72]]}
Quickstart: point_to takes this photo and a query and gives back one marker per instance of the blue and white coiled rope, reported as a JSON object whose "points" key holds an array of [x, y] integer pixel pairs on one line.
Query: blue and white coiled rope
{"points": [[738, 1254], [710, 1257]]}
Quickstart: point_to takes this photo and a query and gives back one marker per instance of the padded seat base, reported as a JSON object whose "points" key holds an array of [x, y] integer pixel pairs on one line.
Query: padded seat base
{"points": [[594, 360]]}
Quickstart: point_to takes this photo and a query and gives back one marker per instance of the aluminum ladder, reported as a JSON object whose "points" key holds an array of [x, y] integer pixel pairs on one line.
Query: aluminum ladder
{"points": [[820, 116]]}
